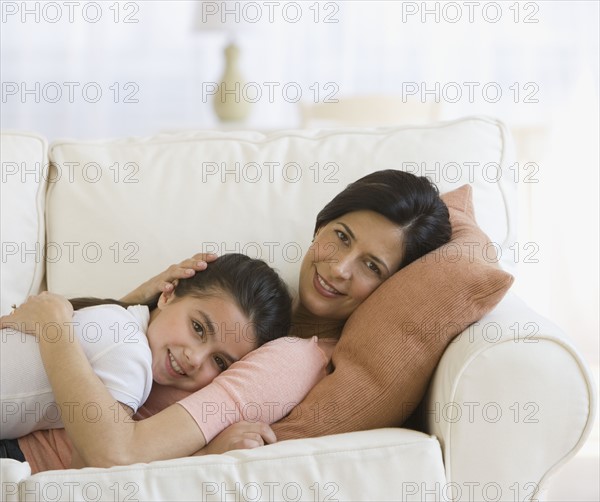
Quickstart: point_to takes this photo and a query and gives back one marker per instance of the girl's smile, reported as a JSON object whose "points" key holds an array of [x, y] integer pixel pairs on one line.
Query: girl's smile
{"points": [[194, 339]]}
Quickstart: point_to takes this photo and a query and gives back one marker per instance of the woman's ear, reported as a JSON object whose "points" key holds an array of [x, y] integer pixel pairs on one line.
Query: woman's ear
{"points": [[316, 234]]}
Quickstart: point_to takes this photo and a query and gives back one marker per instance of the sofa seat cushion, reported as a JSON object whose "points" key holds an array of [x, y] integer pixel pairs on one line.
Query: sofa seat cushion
{"points": [[338, 467]]}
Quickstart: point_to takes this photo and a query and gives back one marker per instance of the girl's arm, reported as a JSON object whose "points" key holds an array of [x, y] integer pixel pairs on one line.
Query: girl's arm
{"points": [[167, 280], [100, 428], [265, 386]]}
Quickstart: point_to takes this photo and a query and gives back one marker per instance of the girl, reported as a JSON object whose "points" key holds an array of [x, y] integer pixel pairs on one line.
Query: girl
{"points": [[183, 339]]}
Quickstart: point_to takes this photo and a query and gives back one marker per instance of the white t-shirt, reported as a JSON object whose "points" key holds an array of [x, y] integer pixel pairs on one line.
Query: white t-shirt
{"points": [[114, 341]]}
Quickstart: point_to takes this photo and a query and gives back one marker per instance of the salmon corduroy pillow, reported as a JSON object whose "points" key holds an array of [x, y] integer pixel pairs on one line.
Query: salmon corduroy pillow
{"points": [[392, 343]]}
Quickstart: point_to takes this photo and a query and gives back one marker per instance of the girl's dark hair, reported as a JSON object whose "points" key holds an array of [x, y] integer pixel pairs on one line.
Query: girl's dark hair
{"points": [[411, 202], [257, 289]]}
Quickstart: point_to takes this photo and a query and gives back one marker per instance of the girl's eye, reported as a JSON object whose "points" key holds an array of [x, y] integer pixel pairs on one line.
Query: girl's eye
{"points": [[198, 328], [220, 363], [342, 236]]}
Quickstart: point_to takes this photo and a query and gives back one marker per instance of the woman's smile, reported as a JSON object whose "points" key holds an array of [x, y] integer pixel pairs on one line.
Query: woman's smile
{"points": [[349, 258], [324, 288]]}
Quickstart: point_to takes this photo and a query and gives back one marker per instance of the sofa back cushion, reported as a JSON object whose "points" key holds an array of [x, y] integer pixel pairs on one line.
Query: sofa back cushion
{"points": [[22, 231], [120, 211]]}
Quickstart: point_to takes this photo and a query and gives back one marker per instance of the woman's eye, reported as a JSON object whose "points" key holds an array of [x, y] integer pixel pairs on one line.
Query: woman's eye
{"points": [[342, 236], [220, 363], [198, 328], [372, 266]]}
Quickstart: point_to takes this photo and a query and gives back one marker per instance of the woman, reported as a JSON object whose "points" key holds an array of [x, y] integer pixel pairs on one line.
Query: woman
{"points": [[370, 230]]}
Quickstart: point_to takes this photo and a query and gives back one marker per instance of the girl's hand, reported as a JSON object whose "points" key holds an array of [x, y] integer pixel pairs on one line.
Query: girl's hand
{"points": [[38, 312], [240, 436], [166, 281]]}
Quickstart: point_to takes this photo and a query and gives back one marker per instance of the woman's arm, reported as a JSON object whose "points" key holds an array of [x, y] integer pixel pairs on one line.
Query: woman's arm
{"points": [[239, 436], [167, 280]]}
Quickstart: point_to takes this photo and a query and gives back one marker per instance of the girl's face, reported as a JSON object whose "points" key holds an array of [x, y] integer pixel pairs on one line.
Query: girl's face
{"points": [[349, 258], [193, 340]]}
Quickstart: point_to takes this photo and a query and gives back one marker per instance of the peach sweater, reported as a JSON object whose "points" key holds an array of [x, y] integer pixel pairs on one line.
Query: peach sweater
{"points": [[263, 386]]}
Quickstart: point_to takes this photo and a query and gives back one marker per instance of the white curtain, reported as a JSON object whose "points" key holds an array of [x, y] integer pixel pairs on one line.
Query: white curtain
{"points": [[542, 55]]}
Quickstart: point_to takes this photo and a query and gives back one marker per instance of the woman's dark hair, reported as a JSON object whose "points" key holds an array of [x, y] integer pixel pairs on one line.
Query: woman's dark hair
{"points": [[411, 202], [257, 289]]}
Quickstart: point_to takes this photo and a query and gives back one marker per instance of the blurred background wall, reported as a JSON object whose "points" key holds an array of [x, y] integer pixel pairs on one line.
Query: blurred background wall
{"points": [[95, 70], [108, 69]]}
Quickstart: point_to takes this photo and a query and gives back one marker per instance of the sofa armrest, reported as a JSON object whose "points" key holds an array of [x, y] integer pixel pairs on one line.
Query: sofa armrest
{"points": [[510, 402]]}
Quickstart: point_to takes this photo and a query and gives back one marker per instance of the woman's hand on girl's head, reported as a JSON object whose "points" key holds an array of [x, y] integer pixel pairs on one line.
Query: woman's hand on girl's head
{"points": [[166, 281], [38, 312], [240, 436]]}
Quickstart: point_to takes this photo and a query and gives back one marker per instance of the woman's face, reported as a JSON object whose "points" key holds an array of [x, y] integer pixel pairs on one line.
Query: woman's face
{"points": [[349, 258], [192, 340]]}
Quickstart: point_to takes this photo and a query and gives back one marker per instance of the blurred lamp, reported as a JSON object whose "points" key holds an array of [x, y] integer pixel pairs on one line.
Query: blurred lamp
{"points": [[226, 17]]}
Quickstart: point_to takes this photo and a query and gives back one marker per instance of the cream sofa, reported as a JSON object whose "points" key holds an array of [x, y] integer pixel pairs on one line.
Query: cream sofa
{"points": [[510, 402]]}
